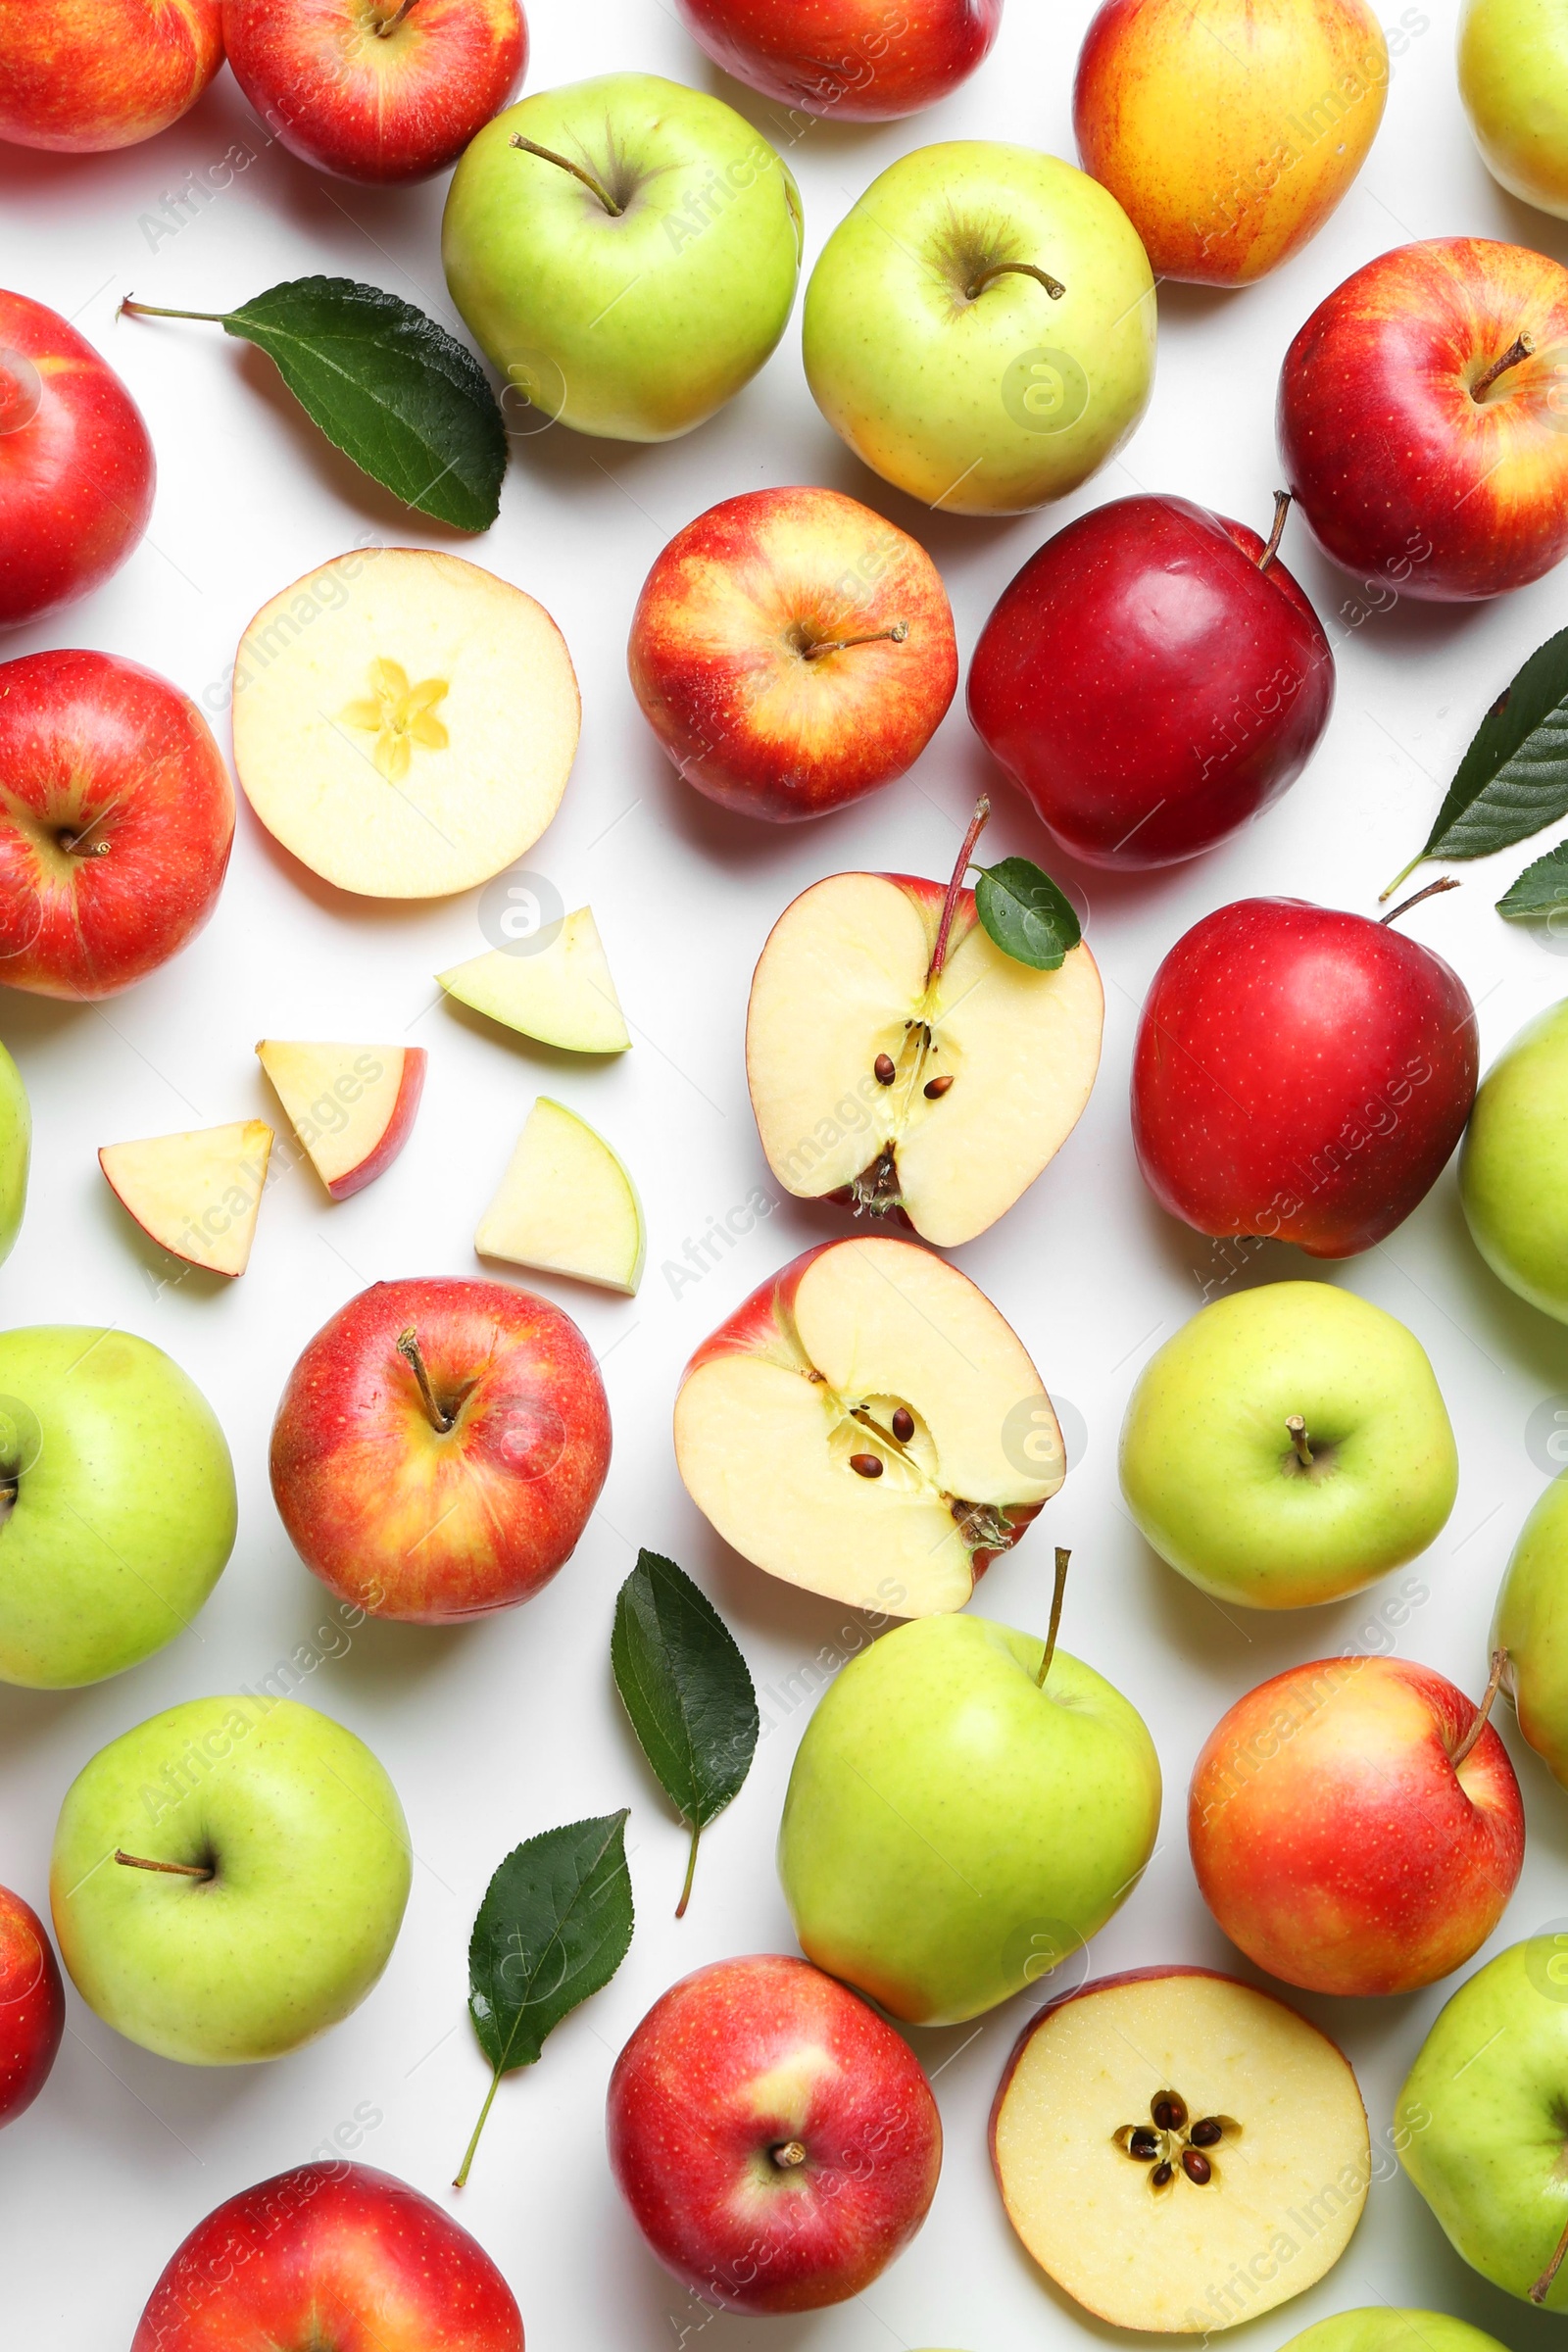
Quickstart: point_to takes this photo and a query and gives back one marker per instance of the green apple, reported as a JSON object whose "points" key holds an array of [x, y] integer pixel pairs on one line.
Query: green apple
{"points": [[953, 1830], [1379, 2327], [117, 1503], [1289, 1446], [1513, 79], [633, 262], [1530, 1625], [981, 328], [16, 1150], [228, 1878], [1478, 2126], [1514, 1166]]}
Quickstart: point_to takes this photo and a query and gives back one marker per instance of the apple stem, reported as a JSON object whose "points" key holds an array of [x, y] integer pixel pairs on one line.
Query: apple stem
{"points": [[1297, 1427], [547, 155], [462, 2180], [1281, 506], [949, 904], [788, 2155], [1499, 1659], [1433, 890], [691, 1871], [1062, 1557], [1543, 2285], [843, 645], [152, 310], [1519, 349], [1053, 285], [391, 23], [176, 1870], [409, 1349]]}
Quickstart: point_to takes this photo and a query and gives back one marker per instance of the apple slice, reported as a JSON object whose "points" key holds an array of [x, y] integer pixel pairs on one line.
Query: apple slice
{"points": [[562, 992], [846, 1038], [404, 723], [866, 1424], [565, 1204], [1179, 2151], [351, 1107], [197, 1195]]}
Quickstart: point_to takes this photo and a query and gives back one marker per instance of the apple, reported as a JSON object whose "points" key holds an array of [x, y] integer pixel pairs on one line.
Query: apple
{"points": [[352, 1108], [116, 818], [1151, 681], [1378, 2327], [1288, 1446], [776, 2141], [980, 330], [968, 1807], [1479, 2123], [376, 90], [118, 1508], [332, 2254], [228, 1878], [80, 75], [625, 252], [1529, 1629], [439, 1446], [553, 985], [1228, 134], [1179, 2151], [792, 651], [1513, 79], [565, 1204], [1419, 424], [858, 61], [16, 1151], [76, 467], [901, 1062], [196, 1195], [1511, 1164], [1300, 1073], [32, 2006], [404, 723], [866, 1425]]}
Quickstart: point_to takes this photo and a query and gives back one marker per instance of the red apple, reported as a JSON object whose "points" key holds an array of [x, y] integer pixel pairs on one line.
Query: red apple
{"points": [[1151, 679], [1420, 418], [438, 1449], [79, 75], [376, 90], [1355, 1826], [76, 468], [117, 817], [793, 651], [32, 2006], [858, 60], [776, 2140], [1300, 1073], [338, 2257]]}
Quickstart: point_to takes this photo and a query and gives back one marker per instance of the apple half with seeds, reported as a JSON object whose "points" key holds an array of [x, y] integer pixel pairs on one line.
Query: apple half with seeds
{"points": [[352, 1108], [866, 1424], [1179, 2151], [196, 1195]]}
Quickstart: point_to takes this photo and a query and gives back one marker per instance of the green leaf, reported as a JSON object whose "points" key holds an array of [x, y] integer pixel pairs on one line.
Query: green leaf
{"points": [[1541, 889], [1026, 915], [688, 1691], [1514, 777], [555, 1925]]}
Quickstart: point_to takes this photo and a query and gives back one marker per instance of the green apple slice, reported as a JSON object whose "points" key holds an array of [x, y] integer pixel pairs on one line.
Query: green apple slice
{"points": [[566, 1205], [562, 994]]}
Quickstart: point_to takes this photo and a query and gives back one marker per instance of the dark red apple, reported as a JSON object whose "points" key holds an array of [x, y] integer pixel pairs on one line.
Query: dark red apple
{"points": [[32, 2006], [860, 60], [1421, 420], [1151, 679], [1300, 1073], [76, 468]]}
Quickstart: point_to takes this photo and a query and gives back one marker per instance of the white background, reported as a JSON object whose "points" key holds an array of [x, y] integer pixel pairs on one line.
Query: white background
{"points": [[510, 1725]]}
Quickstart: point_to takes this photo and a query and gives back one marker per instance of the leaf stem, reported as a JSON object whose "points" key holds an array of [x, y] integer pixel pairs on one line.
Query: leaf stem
{"points": [[578, 172], [1281, 506], [1053, 285], [1433, 890], [1499, 1659], [461, 2180], [1392, 887], [1062, 1557], [949, 904], [691, 1873], [153, 310]]}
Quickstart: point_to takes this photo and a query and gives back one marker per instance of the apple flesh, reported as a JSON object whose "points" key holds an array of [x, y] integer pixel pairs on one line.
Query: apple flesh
{"points": [[1179, 2151], [438, 1449], [855, 60], [1419, 419], [331, 2254], [82, 75], [196, 1195], [866, 1425], [792, 651], [1151, 681], [352, 1108], [411, 734], [566, 1205], [32, 2006], [16, 1151], [1300, 1073], [1514, 80], [1530, 1627], [777, 2143], [116, 818], [1511, 1165], [374, 91], [558, 990]]}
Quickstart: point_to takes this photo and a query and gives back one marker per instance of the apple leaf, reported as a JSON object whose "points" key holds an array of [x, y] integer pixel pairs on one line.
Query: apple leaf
{"points": [[394, 391], [1541, 889], [555, 1925], [688, 1690], [1514, 777], [1026, 915]]}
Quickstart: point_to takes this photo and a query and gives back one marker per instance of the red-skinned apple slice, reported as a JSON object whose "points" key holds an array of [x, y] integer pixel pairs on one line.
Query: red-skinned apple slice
{"points": [[351, 1107], [867, 1426], [197, 1195]]}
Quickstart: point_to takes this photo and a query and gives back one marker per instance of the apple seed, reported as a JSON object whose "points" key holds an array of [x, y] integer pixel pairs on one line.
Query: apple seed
{"points": [[868, 1465], [1197, 2167], [886, 1069], [1169, 2109], [903, 1423], [936, 1088]]}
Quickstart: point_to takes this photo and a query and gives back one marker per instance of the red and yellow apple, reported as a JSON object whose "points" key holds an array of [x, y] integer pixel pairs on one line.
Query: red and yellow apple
{"points": [[793, 651], [32, 2005], [352, 1108], [438, 1448], [79, 75], [859, 60]]}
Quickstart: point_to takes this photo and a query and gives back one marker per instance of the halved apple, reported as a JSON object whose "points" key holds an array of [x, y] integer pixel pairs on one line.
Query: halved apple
{"points": [[565, 1204], [561, 994], [351, 1107], [196, 1195], [874, 1084], [404, 723], [1179, 2151], [867, 1426]]}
